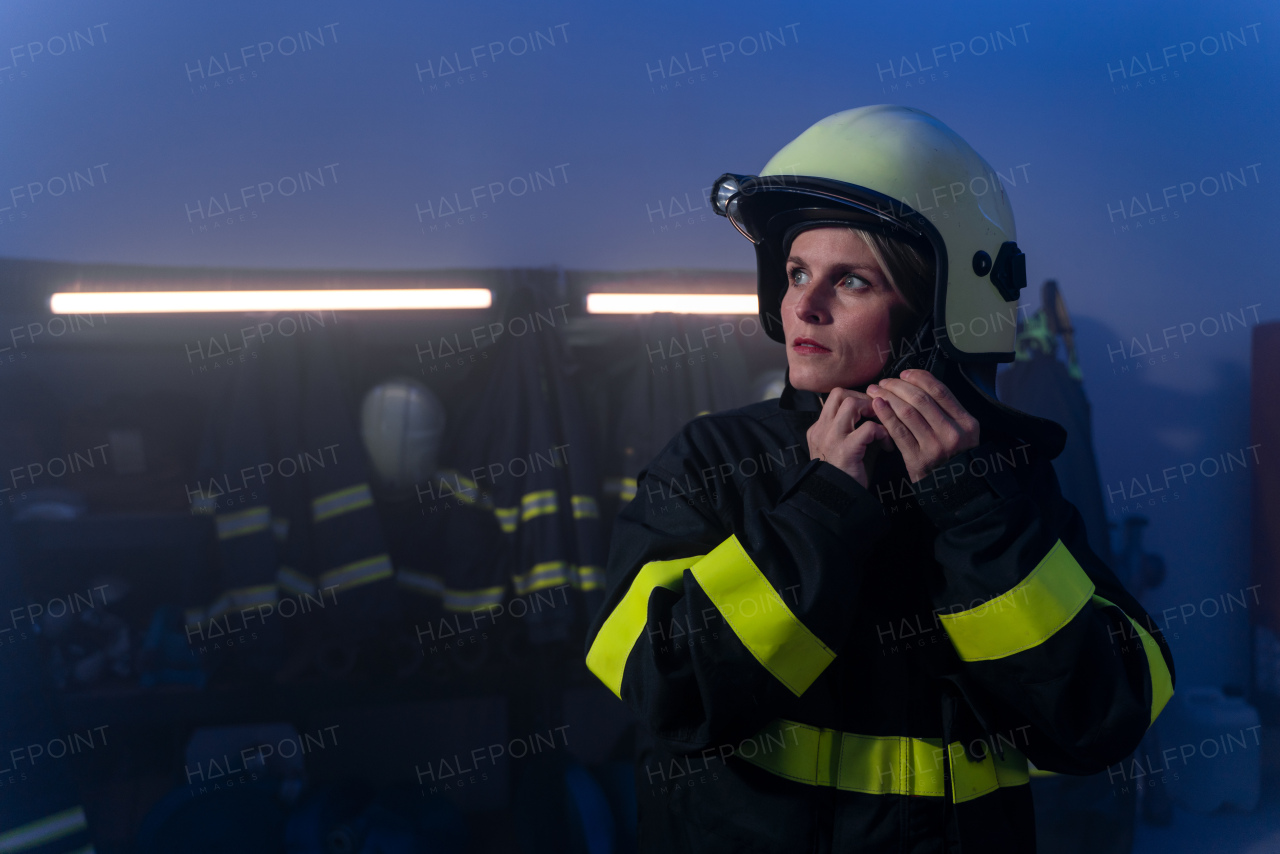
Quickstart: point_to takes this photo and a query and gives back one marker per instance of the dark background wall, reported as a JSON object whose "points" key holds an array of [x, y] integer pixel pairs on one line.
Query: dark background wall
{"points": [[625, 144]]}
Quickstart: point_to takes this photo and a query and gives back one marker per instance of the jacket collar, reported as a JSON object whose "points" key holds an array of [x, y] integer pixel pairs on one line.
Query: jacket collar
{"points": [[797, 400]]}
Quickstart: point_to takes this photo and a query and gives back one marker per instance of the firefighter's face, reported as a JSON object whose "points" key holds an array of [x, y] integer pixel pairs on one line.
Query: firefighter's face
{"points": [[837, 312]]}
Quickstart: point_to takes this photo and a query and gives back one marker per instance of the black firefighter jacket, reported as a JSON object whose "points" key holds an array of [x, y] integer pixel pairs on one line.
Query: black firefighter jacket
{"points": [[825, 667]]}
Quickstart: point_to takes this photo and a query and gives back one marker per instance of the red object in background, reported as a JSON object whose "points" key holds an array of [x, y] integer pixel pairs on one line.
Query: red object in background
{"points": [[1265, 431]]}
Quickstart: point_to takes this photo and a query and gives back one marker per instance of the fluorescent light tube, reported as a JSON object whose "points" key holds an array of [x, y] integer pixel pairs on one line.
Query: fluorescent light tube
{"points": [[181, 302], [613, 303]]}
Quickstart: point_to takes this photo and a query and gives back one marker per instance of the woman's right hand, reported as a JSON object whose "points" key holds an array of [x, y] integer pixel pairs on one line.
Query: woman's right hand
{"points": [[833, 438]]}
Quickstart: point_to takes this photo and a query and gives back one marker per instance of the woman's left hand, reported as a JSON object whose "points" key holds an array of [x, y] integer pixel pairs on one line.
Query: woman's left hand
{"points": [[924, 419]]}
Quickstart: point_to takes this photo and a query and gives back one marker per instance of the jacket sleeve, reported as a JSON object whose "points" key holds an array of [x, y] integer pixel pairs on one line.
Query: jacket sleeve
{"points": [[1051, 647], [710, 624]]}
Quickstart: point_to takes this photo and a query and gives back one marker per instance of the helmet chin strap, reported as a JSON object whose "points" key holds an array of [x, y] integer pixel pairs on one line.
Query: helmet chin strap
{"points": [[972, 384]]}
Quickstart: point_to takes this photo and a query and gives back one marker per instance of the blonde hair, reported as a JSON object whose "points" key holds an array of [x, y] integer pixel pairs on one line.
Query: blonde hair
{"points": [[910, 270]]}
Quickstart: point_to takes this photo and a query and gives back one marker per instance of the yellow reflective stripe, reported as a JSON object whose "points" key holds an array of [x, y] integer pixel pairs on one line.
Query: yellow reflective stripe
{"points": [[464, 489], [242, 522], [342, 501], [420, 582], [970, 779], [878, 765], [469, 600], [1161, 678], [1024, 616], [280, 528], [1033, 771], [890, 765], [589, 577], [43, 831], [547, 574], [623, 487], [608, 655], [537, 503], [871, 764], [508, 518], [453, 600], [294, 581], [778, 640], [242, 597], [467, 490], [1014, 769], [584, 507], [358, 572]]}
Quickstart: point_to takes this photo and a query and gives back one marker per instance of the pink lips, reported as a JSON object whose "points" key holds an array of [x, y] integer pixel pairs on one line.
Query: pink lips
{"points": [[808, 346]]}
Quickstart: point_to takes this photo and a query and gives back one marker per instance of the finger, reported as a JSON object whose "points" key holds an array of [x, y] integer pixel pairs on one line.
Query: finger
{"points": [[880, 436], [939, 421], [869, 433], [938, 390], [830, 406], [899, 432], [858, 399], [845, 417]]}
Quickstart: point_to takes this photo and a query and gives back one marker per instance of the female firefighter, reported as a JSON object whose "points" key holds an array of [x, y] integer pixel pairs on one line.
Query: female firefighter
{"points": [[862, 646]]}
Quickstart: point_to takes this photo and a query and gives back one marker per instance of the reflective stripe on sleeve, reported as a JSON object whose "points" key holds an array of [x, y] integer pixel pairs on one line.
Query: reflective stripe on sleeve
{"points": [[508, 518], [623, 487], [589, 577], [584, 507], [420, 582], [242, 597], [358, 572], [1024, 616], [242, 522], [535, 504], [607, 657], [758, 616], [43, 831], [294, 581], [1161, 678], [342, 501], [550, 573], [453, 599], [471, 600]]}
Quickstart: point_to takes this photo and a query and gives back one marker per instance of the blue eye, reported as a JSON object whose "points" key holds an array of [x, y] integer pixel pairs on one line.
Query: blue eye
{"points": [[799, 277], [854, 283]]}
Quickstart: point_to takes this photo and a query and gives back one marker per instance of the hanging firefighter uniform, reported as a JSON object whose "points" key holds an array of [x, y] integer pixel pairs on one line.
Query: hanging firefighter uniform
{"points": [[831, 667], [40, 809], [237, 440], [285, 477], [668, 374], [443, 537], [521, 443]]}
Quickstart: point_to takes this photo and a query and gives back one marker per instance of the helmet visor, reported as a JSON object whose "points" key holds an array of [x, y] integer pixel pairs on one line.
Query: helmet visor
{"points": [[763, 207]]}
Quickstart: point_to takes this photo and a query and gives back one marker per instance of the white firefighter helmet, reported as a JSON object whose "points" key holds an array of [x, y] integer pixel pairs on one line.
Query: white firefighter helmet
{"points": [[903, 173], [402, 425]]}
